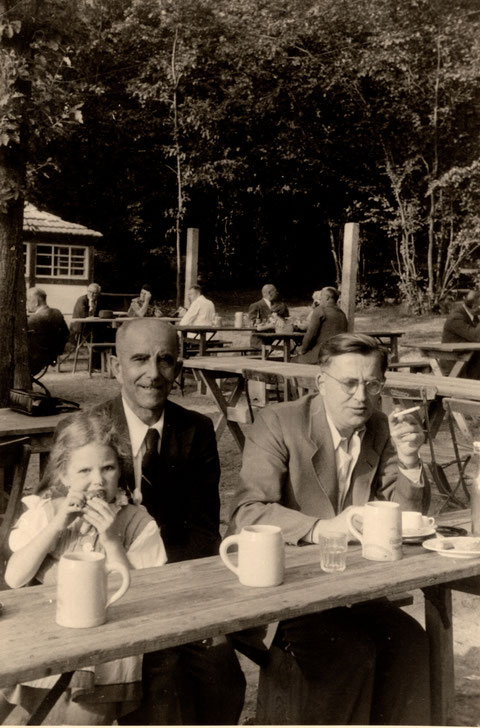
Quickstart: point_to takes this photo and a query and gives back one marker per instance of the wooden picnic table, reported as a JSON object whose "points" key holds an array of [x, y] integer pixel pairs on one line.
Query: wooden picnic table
{"points": [[192, 600], [387, 337], [286, 342], [39, 429], [211, 369], [203, 335], [435, 352]]}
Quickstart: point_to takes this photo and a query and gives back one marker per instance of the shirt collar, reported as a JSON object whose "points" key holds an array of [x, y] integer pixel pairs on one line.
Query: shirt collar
{"points": [[336, 436], [138, 429], [269, 303]]}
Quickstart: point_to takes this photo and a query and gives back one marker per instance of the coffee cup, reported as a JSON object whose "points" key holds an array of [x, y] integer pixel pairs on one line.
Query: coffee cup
{"points": [[381, 535], [414, 521], [261, 555], [82, 598]]}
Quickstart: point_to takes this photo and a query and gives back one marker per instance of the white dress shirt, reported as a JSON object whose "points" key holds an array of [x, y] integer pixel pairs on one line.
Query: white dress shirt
{"points": [[137, 431], [200, 313]]}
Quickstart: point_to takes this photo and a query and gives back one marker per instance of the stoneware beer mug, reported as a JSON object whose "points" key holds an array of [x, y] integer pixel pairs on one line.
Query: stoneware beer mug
{"points": [[82, 598], [261, 555], [381, 535], [238, 320]]}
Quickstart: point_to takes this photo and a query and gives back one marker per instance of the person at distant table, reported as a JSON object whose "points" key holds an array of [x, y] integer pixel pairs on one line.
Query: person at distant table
{"points": [[260, 312], [201, 311], [327, 319], [47, 331], [305, 464], [144, 305], [86, 305], [462, 325]]}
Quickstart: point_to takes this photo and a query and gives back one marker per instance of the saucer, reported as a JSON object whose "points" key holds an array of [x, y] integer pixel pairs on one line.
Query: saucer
{"points": [[418, 536], [460, 547]]}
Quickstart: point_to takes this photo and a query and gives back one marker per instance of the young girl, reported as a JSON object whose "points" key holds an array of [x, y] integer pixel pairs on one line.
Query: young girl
{"points": [[82, 506]]}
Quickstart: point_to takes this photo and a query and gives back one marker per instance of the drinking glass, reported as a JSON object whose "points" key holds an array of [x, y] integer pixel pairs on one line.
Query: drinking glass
{"points": [[333, 551]]}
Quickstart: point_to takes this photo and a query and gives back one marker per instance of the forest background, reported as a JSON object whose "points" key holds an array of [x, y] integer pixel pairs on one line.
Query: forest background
{"points": [[267, 124]]}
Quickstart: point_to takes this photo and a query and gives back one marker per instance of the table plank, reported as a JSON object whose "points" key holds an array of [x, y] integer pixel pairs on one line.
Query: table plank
{"points": [[191, 600]]}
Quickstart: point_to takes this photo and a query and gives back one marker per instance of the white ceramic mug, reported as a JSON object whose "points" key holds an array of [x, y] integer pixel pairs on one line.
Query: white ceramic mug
{"points": [[261, 555], [414, 521], [381, 536], [82, 598]]}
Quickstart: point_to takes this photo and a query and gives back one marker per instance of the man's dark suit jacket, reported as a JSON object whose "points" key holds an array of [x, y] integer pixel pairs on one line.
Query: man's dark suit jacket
{"points": [[325, 322], [459, 329], [47, 334], [261, 310], [187, 507]]}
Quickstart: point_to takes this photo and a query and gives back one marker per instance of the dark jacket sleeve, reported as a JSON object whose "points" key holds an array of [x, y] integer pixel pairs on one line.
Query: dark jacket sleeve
{"points": [[458, 327]]}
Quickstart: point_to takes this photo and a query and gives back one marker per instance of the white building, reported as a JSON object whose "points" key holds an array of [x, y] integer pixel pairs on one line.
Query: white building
{"points": [[59, 257]]}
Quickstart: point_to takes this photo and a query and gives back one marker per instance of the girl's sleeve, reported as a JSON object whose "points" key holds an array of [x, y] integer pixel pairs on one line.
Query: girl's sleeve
{"points": [[148, 548], [31, 522]]}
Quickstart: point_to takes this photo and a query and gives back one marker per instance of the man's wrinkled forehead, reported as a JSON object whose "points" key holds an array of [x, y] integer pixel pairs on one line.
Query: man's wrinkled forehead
{"points": [[147, 336]]}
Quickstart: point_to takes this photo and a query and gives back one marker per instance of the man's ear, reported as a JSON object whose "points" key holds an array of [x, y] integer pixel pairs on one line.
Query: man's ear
{"points": [[178, 368], [116, 368], [320, 382]]}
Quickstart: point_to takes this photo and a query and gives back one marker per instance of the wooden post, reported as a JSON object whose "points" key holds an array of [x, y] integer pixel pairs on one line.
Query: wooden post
{"points": [[191, 263], [349, 271]]}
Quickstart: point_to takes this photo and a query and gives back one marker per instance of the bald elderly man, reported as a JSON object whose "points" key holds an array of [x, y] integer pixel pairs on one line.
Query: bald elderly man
{"points": [[260, 311], [174, 472]]}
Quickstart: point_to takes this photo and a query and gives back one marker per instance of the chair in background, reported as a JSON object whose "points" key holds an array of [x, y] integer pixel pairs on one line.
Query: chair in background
{"points": [[14, 459], [463, 451]]}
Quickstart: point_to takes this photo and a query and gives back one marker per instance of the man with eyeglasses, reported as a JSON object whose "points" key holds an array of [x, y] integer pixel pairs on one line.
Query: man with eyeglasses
{"points": [[305, 464]]}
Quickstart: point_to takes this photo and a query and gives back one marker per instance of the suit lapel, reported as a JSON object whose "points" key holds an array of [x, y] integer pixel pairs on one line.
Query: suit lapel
{"points": [[322, 453]]}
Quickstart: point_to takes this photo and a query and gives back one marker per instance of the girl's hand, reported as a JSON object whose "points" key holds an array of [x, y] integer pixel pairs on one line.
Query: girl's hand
{"points": [[99, 515], [67, 509]]}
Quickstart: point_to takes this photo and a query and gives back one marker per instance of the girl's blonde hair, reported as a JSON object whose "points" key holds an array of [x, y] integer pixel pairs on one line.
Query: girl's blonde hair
{"points": [[78, 430]]}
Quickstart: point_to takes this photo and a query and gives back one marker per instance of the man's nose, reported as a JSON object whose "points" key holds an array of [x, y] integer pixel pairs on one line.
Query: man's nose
{"points": [[361, 392]]}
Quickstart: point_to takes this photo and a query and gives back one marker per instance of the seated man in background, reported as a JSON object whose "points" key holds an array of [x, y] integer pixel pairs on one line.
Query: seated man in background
{"points": [[144, 305], [326, 320], [86, 305], [201, 311], [47, 331], [461, 326], [260, 312], [305, 463]]}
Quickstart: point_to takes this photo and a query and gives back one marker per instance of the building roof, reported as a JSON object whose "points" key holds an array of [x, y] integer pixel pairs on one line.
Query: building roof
{"points": [[35, 221]]}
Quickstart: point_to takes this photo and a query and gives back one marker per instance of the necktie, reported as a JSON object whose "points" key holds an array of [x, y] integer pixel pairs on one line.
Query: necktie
{"points": [[150, 462]]}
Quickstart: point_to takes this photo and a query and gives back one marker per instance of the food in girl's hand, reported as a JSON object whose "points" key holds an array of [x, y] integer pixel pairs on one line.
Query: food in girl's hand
{"points": [[98, 493]]}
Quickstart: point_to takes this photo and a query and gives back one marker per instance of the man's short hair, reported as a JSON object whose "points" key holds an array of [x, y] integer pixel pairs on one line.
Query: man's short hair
{"points": [[94, 288], [196, 287], [38, 293], [146, 287], [331, 292], [352, 344]]}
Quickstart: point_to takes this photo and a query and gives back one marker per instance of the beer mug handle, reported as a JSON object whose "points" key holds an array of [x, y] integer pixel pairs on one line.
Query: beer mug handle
{"points": [[224, 546], [125, 574], [358, 511]]}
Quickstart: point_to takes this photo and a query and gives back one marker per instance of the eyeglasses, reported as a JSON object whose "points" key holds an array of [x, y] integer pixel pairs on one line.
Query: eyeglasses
{"points": [[350, 386]]}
